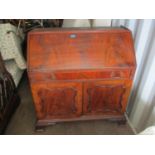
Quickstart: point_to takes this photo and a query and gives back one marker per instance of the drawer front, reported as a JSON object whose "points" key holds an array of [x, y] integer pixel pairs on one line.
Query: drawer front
{"points": [[57, 100], [79, 75]]}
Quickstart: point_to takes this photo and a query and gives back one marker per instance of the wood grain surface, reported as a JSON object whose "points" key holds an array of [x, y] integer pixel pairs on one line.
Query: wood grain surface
{"points": [[78, 74]]}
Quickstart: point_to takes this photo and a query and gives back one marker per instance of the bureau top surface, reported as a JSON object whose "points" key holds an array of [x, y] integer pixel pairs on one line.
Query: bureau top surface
{"points": [[69, 49]]}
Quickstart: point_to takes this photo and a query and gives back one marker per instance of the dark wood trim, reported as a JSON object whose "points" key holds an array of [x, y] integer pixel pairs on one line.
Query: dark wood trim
{"points": [[48, 122]]}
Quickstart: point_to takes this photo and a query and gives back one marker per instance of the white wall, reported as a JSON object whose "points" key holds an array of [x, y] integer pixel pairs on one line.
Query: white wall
{"points": [[76, 23], [86, 22]]}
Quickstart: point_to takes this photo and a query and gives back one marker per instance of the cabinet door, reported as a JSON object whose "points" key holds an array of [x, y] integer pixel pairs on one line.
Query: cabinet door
{"points": [[57, 99], [106, 97]]}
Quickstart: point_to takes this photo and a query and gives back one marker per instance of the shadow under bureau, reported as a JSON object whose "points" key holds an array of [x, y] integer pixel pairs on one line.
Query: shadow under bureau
{"points": [[80, 74]]}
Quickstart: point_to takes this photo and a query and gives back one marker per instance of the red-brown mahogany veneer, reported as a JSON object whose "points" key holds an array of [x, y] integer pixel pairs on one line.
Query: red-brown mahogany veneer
{"points": [[80, 74]]}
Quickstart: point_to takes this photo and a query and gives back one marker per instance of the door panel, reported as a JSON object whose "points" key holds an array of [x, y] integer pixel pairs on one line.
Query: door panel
{"points": [[57, 100], [106, 97]]}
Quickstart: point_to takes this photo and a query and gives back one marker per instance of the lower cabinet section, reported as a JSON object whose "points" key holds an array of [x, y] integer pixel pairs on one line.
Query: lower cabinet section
{"points": [[57, 100], [105, 97], [65, 101]]}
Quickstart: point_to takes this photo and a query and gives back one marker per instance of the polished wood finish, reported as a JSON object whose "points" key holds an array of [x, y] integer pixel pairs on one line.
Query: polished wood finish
{"points": [[80, 74], [57, 100], [63, 49], [106, 97]]}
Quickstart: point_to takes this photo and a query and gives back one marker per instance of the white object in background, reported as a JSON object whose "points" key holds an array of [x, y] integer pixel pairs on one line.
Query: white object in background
{"points": [[10, 44], [76, 23], [11, 50], [101, 22], [148, 131], [14, 70]]}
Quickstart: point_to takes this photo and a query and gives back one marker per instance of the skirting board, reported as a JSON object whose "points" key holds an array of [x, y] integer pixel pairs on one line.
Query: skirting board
{"points": [[130, 124]]}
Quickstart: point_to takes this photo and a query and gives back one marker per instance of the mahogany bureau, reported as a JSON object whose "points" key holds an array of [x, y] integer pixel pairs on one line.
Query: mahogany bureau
{"points": [[80, 74]]}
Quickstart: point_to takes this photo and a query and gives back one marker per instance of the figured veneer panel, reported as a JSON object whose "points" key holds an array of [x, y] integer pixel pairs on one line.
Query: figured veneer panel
{"points": [[109, 96], [90, 49], [57, 100]]}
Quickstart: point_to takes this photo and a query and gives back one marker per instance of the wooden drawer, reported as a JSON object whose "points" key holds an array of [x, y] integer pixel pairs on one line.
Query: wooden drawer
{"points": [[79, 75]]}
